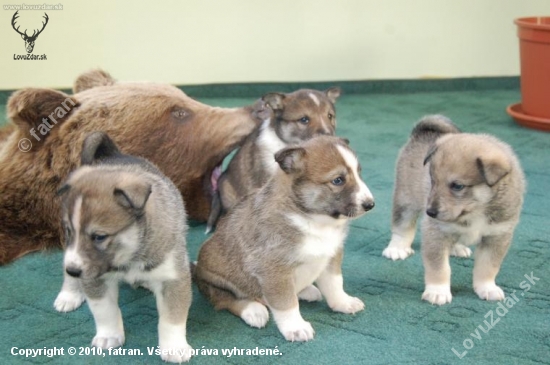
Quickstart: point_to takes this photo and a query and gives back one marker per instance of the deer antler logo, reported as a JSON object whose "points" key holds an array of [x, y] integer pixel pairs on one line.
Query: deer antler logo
{"points": [[29, 41]]}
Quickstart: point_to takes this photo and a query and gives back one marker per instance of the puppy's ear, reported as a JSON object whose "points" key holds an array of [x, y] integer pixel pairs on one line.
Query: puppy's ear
{"points": [[37, 111], [291, 159], [133, 195], [333, 93], [91, 79], [97, 146], [430, 154], [492, 169], [274, 100], [260, 111]]}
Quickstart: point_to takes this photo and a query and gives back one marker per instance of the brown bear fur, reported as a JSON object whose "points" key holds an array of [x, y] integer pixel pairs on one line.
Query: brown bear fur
{"points": [[183, 137]]}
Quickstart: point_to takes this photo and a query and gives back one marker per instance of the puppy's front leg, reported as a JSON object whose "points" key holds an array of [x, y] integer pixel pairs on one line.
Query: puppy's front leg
{"points": [[71, 295], [173, 302], [331, 285], [280, 295], [488, 258], [102, 297], [437, 271]]}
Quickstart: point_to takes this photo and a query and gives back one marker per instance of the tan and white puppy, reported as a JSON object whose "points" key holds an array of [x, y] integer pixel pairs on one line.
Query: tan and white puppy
{"points": [[471, 189], [289, 119], [124, 220], [271, 247]]}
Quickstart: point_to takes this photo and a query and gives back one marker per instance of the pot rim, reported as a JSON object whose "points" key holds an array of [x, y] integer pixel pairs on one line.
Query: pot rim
{"points": [[534, 22]]}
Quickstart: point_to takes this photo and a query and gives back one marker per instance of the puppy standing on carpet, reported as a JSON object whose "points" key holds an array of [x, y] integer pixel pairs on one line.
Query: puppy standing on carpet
{"points": [[471, 188], [273, 245], [289, 119], [125, 220]]}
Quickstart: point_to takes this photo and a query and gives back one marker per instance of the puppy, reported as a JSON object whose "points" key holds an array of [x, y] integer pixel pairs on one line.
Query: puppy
{"points": [[273, 245], [293, 118], [124, 220], [471, 189]]}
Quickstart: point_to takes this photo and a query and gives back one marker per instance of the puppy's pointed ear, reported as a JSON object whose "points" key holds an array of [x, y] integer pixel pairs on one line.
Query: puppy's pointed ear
{"points": [[274, 100], [430, 154], [291, 159], [133, 195], [97, 146], [493, 168], [333, 93]]}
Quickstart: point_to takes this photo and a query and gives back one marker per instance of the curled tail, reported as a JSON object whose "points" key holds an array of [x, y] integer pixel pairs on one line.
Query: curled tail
{"points": [[433, 125]]}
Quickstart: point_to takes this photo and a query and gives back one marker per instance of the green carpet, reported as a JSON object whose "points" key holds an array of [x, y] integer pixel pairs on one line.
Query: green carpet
{"points": [[396, 327]]}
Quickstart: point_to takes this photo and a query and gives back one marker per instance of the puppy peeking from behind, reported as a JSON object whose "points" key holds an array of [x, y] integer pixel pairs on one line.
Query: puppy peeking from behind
{"points": [[273, 245], [124, 220], [288, 119], [469, 188]]}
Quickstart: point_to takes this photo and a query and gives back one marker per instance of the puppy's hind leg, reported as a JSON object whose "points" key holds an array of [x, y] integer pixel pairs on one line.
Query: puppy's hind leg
{"points": [[173, 302], [71, 295], [403, 232], [488, 258], [252, 312]]}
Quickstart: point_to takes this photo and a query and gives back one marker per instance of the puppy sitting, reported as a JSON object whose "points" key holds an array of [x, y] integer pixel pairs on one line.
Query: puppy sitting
{"points": [[289, 119], [125, 220], [273, 245], [471, 190]]}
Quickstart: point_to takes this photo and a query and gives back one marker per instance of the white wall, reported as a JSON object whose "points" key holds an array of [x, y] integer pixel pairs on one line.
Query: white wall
{"points": [[224, 41]]}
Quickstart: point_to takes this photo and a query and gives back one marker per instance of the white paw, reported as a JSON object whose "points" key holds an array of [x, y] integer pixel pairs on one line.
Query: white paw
{"points": [[397, 253], [67, 301], [177, 354], [255, 315], [489, 291], [106, 342], [311, 294], [459, 250], [348, 305], [297, 331], [437, 294]]}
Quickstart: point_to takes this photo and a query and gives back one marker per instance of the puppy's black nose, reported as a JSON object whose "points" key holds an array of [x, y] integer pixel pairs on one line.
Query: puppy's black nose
{"points": [[368, 205], [74, 272], [432, 212]]}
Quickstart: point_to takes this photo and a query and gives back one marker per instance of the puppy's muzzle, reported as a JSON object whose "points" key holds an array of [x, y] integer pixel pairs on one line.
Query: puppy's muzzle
{"points": [[74, 271]]}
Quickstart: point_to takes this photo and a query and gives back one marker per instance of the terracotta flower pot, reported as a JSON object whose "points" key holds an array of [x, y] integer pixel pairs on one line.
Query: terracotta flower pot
{"points": [[534, 110]]}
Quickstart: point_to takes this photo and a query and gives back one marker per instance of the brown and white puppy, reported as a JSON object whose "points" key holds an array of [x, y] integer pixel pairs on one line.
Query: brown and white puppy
{"points": [[272, 246], [124, 220], [471, 189], [293, 118], [186, 139]]}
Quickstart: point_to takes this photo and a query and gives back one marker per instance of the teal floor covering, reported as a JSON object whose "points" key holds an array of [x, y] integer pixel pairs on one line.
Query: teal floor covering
{"points": [[396, 327]]}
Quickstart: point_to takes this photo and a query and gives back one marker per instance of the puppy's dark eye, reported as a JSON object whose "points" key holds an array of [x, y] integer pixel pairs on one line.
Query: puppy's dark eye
{"points": [[330, 116], [304, 120], [339, 181], [456, 186], [98, 238]]}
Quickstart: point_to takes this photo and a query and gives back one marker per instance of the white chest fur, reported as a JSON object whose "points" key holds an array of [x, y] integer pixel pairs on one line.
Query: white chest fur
{"points": [[269, 144], [136, 273], [478, 228], [322, 237]]}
